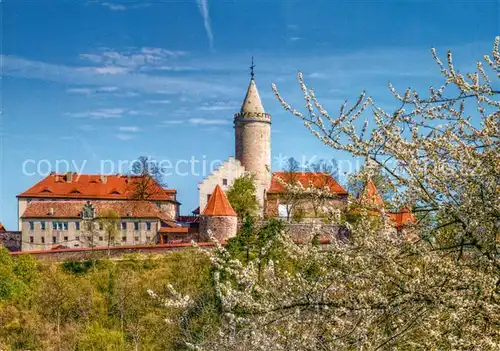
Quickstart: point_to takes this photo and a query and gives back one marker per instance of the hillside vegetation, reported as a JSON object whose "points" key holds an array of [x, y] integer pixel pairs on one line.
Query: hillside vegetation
{"points": [[103, 304]]}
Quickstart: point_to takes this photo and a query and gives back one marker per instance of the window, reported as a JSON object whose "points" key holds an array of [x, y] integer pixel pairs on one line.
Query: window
{"points": [[136, 226], [112, 238], [43, 240], [54, 225], [42, 225], [148, 238], [32, 225], [101, 226], [65, 225], [77, 225], [136, 238], [77, 237], [124, 238], [224, 181], [283, 210], [124, 225], [101, 238], [60, 225], [31, 239], [148, 226], [54, 239], [65, 238]]}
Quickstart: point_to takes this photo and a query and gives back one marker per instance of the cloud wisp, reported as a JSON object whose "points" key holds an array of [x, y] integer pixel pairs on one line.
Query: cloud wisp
{"points": [[203, 8]]}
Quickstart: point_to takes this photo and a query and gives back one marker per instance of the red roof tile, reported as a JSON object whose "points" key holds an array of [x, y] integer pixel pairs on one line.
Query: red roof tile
{"points": [[218, 204], [306, 179], [94, 186], [402, 218], [73, 209], [370, 195]]}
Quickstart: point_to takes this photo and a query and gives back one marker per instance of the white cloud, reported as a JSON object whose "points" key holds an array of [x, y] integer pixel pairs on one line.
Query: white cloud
{"points": [[120, 7], [110, 70], [203, 121], [114, 7], [124, 137], [203, 7], [85, 91], [161, 102], [197, 122], [219, 106], [129, 129], [317, 75], [103, 113], [174, 121], [89, 91]]}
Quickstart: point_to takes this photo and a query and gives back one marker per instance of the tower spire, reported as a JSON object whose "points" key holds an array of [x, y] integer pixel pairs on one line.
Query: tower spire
{"points": [[252, 73]]}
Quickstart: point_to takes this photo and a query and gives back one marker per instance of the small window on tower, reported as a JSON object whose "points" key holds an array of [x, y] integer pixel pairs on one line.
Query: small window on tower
{"points": [[224, 181], [208, 197]]}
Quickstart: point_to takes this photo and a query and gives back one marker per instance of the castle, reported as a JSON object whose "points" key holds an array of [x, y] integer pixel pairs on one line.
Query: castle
{"points": [[54, 212]]}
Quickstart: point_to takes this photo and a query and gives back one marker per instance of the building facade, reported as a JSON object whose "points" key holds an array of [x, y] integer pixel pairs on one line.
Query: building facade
{"points": [[79, 224], [50, 212]]}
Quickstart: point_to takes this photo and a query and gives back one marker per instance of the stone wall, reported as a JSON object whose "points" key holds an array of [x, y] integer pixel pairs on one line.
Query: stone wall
{"points": [[11, 240], [102, 252], [222, 227], [274, 200]]}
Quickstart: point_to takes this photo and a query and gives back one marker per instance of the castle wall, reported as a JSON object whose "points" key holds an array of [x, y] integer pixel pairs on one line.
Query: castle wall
{"points": [[222, 227]]}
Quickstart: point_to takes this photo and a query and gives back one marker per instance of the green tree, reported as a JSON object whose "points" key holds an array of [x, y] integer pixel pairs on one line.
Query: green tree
{"points": [[241, 196], [108, 221]]}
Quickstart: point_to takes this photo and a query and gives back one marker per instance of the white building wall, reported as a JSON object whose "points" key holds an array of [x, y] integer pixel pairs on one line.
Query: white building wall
{"points": [[229, 170], [32, 239]]}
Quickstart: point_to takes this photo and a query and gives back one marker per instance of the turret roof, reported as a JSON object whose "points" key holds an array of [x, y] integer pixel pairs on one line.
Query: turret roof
{"points": [[252, 102], [218, 204]]}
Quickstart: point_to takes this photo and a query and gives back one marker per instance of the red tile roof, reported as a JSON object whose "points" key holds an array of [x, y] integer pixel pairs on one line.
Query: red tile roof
{"points": [[402, 218], [370, 195], [174, 230], [218, 204], [306, 179], [94, 186], [2, 228], [73, 209]]}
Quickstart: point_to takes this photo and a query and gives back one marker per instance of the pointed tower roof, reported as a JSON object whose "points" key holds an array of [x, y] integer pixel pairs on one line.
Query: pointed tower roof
{"points": [[252, 102], [370, 194], [218, 204]]}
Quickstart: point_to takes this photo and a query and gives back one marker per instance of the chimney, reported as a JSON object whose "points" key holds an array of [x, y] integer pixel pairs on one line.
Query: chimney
{"points": [[69, 177], [104, 179], [51, 211], [129, 178]]}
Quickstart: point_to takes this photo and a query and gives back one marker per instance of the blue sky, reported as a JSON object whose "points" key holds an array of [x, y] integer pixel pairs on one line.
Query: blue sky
{"points": [[86, 81]]}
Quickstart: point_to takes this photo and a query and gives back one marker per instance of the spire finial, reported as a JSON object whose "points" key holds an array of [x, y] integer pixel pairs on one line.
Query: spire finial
{"points": [[251, 69]]}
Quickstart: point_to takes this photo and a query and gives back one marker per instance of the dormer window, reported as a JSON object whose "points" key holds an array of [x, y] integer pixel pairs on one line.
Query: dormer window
{"points": [[46, 191], [115, 192], [75, 191]]}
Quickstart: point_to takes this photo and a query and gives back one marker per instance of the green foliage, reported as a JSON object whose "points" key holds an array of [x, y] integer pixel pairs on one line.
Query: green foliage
{"points": [[254, 242], [17, 277], [79, 267], [298, 214], [242, 198], [97, 338], [104, 305]]}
